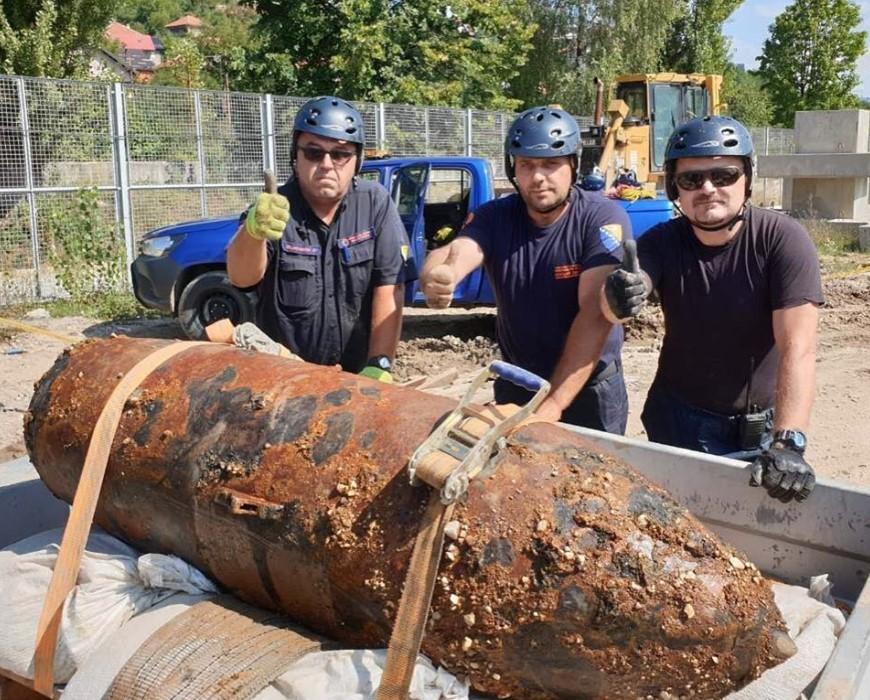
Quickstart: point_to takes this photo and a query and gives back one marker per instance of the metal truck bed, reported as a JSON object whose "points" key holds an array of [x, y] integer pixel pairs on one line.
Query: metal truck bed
{"points": [[829, 533]]}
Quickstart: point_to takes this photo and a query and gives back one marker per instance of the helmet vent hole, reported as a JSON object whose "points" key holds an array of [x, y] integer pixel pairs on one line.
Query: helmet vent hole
{"points": [[558, 144], [311, 121], [539, 117], [727, 130], [555, 132], [517, 143], [315, 112], [556, 114], [730, 143]]}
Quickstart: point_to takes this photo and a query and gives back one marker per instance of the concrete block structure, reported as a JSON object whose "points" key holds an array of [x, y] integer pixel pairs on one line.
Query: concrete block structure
{"points": [[828, 174]]}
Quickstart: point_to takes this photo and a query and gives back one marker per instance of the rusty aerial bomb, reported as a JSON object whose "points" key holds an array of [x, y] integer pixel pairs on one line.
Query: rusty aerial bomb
{"points": [[565, 574]]}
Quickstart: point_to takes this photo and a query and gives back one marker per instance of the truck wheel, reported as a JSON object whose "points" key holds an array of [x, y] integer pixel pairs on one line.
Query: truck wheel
{"points": [[209, 298]]}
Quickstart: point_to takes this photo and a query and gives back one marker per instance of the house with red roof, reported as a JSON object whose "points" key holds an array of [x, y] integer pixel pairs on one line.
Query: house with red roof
{"points": [[138, 53], [184, 26]]}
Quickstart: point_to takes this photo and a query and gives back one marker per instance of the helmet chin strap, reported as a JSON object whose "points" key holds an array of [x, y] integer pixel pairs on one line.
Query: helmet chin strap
{"points": [[730, 224]]}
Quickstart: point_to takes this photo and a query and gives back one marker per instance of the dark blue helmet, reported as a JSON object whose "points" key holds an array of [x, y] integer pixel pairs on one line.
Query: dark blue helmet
{"points": [[542, 132], [704, 137], [593, 181], [333, 118]]}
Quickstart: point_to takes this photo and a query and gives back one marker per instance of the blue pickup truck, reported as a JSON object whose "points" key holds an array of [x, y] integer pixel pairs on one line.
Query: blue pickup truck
{"points": [[182, 268]]}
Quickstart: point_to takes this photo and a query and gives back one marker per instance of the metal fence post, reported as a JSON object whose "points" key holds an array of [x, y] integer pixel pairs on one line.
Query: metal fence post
{"points": [[468, 132], [29, 185], [267, 131], [381, 126], [200, 152], [118, 124]]}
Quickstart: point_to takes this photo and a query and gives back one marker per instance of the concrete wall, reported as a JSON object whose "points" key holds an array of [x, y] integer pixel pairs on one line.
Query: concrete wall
{"points": [[832, 131], [828, 176]]}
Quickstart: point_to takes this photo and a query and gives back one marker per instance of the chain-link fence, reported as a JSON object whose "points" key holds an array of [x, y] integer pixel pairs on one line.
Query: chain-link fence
{"points": [[159, 156]]}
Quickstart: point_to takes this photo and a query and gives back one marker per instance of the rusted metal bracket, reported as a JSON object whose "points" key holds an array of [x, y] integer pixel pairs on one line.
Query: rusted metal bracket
{"points": [[239, 503]]}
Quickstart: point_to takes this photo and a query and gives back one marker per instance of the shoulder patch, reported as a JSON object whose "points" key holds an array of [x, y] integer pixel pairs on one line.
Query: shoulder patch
{"points": [[610, 236], [615, 231]]}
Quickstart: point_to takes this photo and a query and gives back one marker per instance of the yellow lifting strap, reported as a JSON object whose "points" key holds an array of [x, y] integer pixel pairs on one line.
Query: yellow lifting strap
{"points": [[81, 516], [452, 455]]}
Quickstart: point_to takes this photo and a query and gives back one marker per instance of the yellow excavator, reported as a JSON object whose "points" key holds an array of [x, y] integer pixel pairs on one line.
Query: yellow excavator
{"points": [[644, 111]]}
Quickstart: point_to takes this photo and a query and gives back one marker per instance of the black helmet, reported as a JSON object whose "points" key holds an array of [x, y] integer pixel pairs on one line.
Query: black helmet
{"points": [[704, 137], [542, 132], [333, 118]]}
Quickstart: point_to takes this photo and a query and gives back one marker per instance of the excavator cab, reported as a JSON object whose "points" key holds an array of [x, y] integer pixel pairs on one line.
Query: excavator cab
{"points": [[645, 110]]}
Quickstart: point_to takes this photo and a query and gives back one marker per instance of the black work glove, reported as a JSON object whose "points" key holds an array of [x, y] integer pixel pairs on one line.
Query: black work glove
{"points": [[784, 472], [627, 288]]}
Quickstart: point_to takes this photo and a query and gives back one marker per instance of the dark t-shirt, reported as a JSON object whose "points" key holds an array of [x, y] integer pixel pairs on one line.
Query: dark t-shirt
{"points": [[718, 304], [535, 272], [316, 295]]}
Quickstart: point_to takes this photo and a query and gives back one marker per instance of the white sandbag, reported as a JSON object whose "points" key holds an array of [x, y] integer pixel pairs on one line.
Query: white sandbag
{"points": [[355, 674], [108, 592], [814, 627], [95, 676]]}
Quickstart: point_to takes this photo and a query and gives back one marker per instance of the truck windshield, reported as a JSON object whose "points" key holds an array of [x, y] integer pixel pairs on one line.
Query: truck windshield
{"points": [[667, 114]]}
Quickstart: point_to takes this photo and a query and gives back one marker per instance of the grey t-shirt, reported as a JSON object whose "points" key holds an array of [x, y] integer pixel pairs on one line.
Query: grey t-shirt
{"points": [[718, 304]]}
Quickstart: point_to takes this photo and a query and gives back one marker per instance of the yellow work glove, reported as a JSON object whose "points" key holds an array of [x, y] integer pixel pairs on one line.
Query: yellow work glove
{"points": [[378, 374], [267, 217]]}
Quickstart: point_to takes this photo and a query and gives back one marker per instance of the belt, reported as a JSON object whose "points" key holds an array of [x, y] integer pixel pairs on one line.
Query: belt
{"points": [[603, 374]]}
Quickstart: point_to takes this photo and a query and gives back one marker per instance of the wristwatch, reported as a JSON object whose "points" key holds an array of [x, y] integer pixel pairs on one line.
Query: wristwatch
{"points": [[793, 439], [381, 362]]}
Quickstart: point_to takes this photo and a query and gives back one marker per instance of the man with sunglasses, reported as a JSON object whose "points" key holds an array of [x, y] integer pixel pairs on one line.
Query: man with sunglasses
{"points": [[740, 289], [327, 252], [546, 250]]}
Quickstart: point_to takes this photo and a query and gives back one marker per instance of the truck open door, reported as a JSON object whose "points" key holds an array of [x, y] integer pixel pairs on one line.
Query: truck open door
{"points": [[408, 190]]}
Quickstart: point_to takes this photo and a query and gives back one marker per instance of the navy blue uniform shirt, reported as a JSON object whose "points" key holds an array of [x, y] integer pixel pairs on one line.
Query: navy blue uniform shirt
{"points": [[316, 294], [535, 272]]}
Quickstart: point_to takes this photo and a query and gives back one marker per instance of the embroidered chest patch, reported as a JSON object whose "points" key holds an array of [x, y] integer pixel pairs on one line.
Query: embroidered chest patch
{"points": [[566, 272], [356, 238], [300, 249]]}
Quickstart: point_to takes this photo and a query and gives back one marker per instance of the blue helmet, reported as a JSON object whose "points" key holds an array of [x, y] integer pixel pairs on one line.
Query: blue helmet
{"points": [[704, 137], [542, 132], [333, 118]]}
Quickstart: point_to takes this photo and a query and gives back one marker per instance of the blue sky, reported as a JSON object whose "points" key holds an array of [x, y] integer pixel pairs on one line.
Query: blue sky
{"points": [[749, 26]]}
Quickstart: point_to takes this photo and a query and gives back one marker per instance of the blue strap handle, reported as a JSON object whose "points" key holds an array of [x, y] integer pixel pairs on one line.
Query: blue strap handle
{"points": [[517, 375]]}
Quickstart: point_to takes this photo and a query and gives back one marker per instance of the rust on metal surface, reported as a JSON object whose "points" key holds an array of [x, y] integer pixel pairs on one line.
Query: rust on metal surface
{"points": [[566, 574]]}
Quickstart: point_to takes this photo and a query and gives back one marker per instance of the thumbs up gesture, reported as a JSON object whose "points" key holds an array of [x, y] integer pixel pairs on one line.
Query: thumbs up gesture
{"points": [[439, 283], [627, 288], [269, 214]]}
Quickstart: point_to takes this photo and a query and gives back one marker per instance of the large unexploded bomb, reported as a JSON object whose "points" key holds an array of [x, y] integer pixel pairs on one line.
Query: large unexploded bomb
{"points": [[566, 574]]}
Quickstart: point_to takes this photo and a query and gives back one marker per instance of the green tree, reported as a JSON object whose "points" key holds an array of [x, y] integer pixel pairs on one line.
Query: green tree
{"points": [[48, 39], [809, 60], [744, 93], [696, 43], [151, 16], [182, 65], [577, 41], [461, 54]]}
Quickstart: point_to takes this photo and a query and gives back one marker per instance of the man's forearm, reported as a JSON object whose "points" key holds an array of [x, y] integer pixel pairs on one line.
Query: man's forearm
{"points": [[581, 353], [386, 320], [246, 259], [795, 390]]}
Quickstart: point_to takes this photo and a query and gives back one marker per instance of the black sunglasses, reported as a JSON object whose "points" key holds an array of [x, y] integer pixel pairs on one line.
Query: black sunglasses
{"points": [[718, 177], [315, 154]]}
